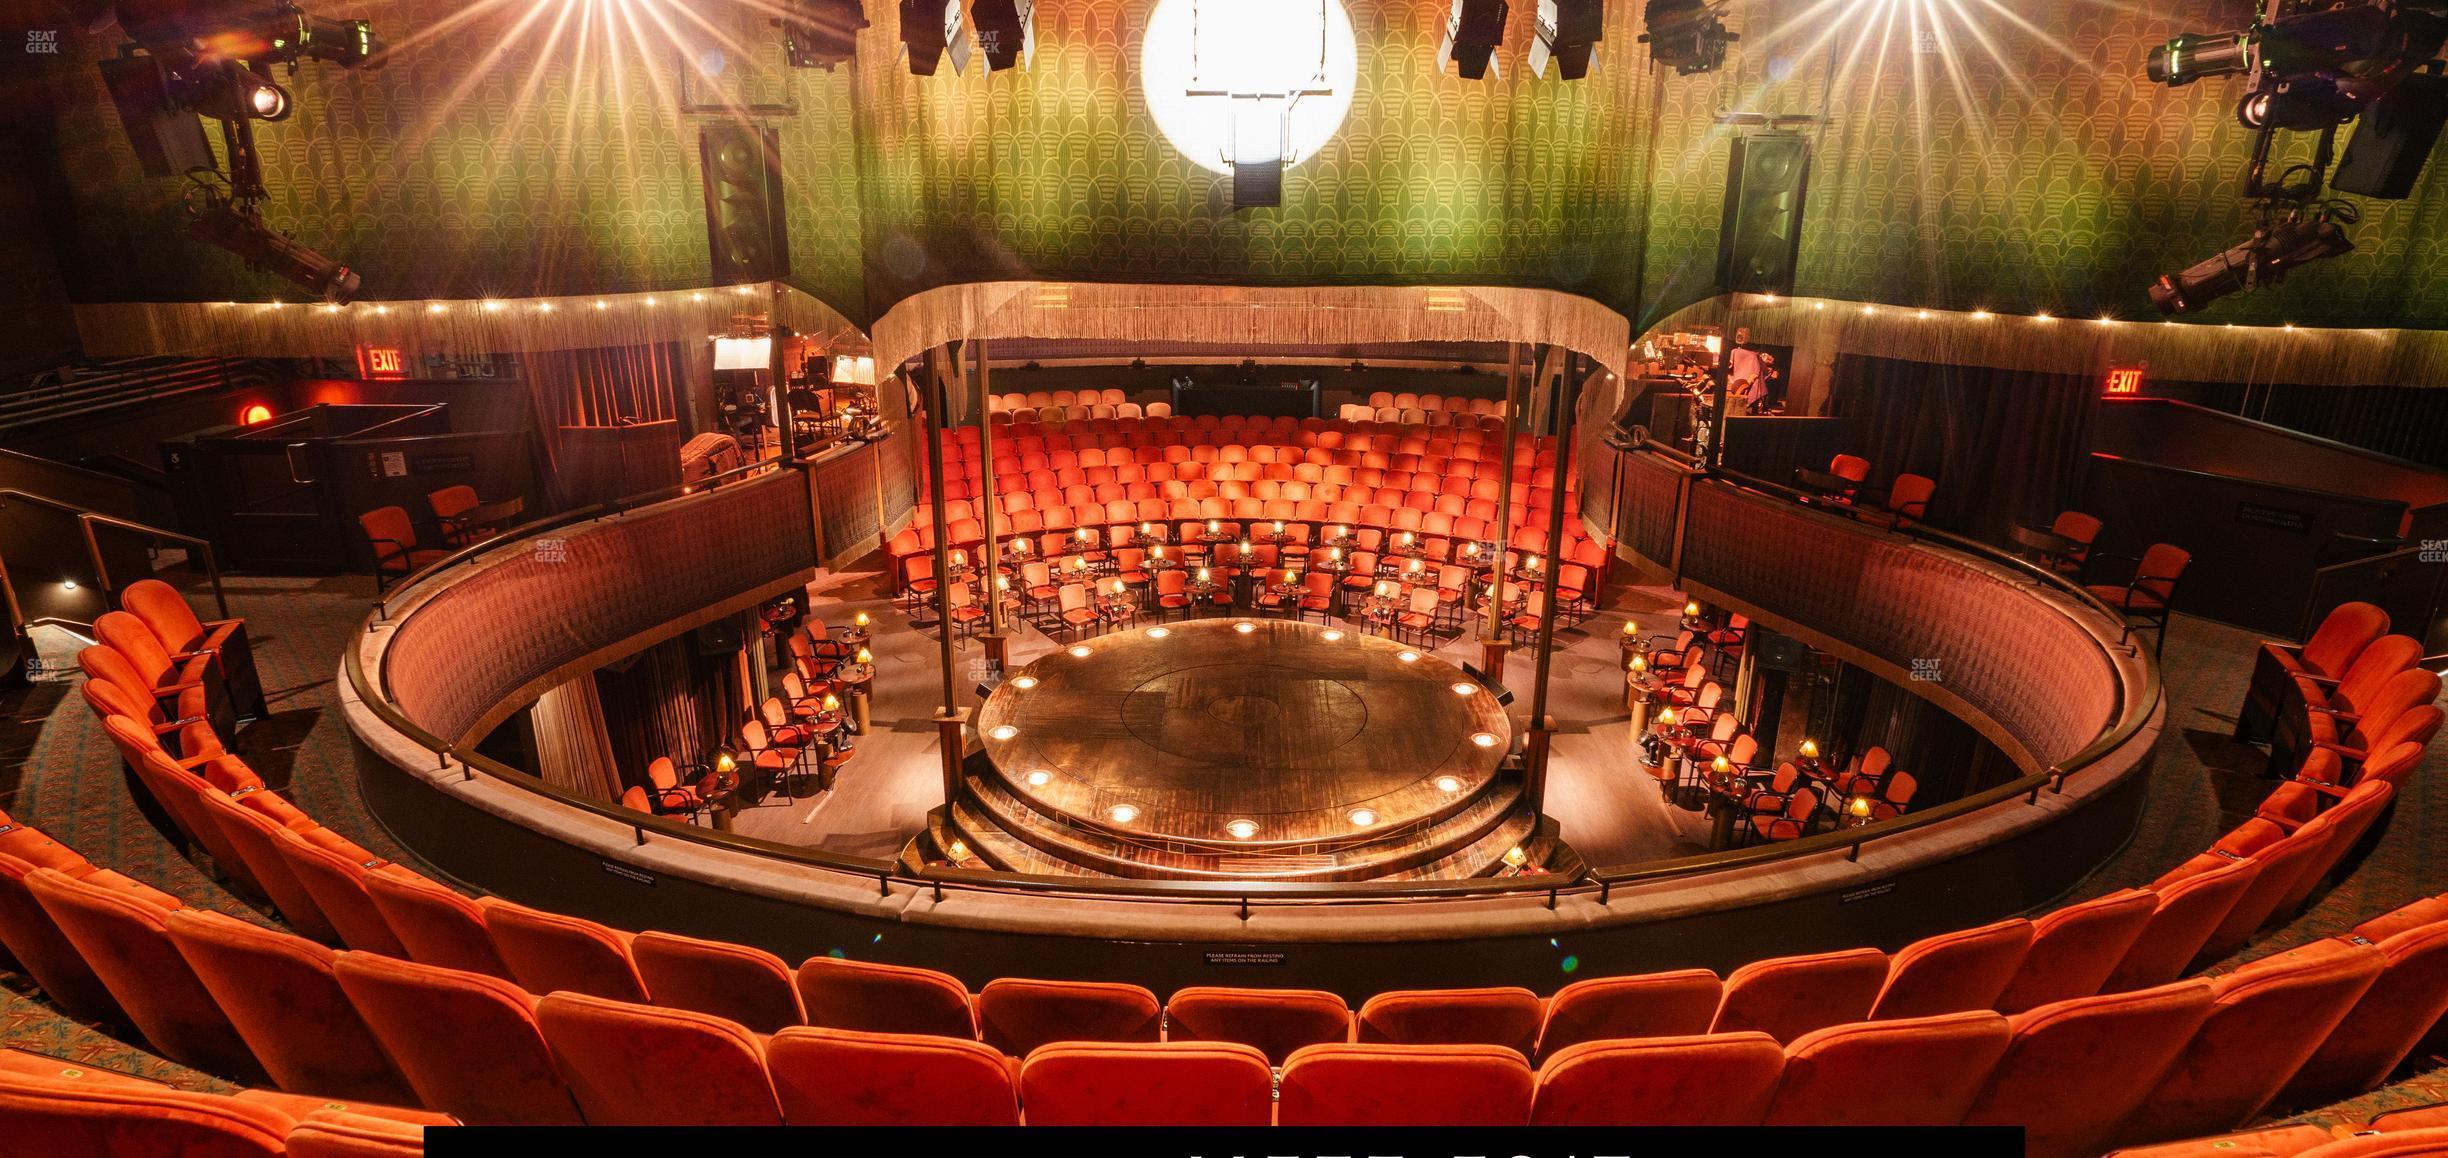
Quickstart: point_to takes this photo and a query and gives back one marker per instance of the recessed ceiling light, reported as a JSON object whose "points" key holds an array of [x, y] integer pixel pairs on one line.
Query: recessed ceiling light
{"points": [[1242, 829], [1040, 778], [1362, 817], [1123, 813]]}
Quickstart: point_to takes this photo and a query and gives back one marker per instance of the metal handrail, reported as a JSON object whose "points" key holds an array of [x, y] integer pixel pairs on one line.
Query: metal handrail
{"points": [[1246, 893], [88, 518]]}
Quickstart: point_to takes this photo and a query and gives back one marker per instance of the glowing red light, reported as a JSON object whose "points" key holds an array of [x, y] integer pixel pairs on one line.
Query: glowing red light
{"points": [[2125, 380], [256, 414]]}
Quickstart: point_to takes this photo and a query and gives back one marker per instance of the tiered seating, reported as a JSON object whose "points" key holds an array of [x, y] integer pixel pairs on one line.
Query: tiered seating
{"points": [[1391, 525], [597, 1019], [58, 1110], [1423, 409]]}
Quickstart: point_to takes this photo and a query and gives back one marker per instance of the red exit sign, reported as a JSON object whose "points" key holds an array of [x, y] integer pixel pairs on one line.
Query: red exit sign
{"points": [[2125, 380], [383, 362]]}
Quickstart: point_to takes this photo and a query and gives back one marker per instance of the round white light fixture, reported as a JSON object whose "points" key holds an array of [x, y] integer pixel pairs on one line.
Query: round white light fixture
{"points": [[1464, 689], [1449, 784], [1245, 628], [1484, 739], [1159, 632], [1331, 636], [1407, 656], [1040, 778], [1024, 683], [1242, 829], [1004, 732], [1269, 47], [1123, 813], [1079, 651], [1362, 817]]}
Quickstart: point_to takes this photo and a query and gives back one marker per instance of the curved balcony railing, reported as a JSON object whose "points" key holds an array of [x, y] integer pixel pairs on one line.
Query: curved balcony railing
{"points": [[2129, 714]]}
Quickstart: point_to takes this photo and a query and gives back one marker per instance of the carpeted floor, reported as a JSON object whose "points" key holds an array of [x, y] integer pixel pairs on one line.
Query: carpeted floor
{"points": [[59, 773]]}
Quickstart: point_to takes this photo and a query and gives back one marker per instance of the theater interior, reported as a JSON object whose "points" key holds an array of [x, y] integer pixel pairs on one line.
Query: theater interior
{"points": [[1218, 564]]}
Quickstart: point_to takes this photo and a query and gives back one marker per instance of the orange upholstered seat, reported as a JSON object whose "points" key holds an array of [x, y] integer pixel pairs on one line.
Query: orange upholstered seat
{"points": [[1405, 1085], [1506, 1016], [1274, 1021], [1674, 1004], [1786, 997], [2391, 1144], [69, 1118], [258, 839], [1017, 1015], [166, 613], [734, 982], [2274, 1142], [2396, 1017], [2077, 1069], [1722, 1079], [841, 1077], [337, 884], [435, 924], [2282, 864], [1918, 1071], [1953, 972], [2266, 1020], [2188, 911], [343, 1134], [549, 952], [491, 1069], [278, 991], [121, 935], [1146, 1084], [637, 1065], [43, 952], [878, 998], [2074, 948]]}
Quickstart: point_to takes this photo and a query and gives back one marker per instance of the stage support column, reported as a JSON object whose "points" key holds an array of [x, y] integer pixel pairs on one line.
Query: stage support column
{"points": [[1492, 645], [948, 720], [1714, 453], [1568, 396], [990, 512], [777, 337]]}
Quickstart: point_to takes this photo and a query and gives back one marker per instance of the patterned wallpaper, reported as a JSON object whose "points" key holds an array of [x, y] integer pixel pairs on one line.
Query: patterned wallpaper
{"points": [[1971, 154]]}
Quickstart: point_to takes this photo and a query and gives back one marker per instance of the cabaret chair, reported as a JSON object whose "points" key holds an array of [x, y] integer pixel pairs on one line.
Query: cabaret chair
{"points": [[393, 540], [2147, 599]]}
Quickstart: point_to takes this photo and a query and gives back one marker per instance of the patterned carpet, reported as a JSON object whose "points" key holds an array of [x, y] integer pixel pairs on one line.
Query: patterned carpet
{"points": [[58, 772]]}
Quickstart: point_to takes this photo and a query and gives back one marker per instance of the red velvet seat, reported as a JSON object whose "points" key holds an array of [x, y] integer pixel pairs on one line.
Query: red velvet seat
{"points": [[2282, 864], [2413, 914], [1405, 1085], [2074, 948], [337, 884], [876, 998], [279, 993], [167, 678], [2077, 1069], [2393, 1144], [2274, 1142], [1145, 1084], [436, 925], [258, 839], [1953, 972], [840, 1077], [2188, 911], [1722, 1079], [2342, 635], [1786, 997], [182, 633], [343, 1134], [1921, 1071], [1507, 1017], [122, 936], [1017, 1015], [637, 1065], [733, 982], [491, 1068], [1275, 1022], [549, 952], [69, 1118], [2397, 1017], [2267, 1019], [1675, 1004], [43, 952]]}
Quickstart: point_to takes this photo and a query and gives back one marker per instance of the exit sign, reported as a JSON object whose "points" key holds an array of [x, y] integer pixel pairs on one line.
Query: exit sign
{"points": [[383, 362], [2125, 380]]}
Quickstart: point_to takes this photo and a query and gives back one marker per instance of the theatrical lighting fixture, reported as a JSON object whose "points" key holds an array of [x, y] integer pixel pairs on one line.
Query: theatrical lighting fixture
{"points": [[1473, 33], [820, 33], [930, 28], [2267, 256], [241, 231], [1006, 32], [1686, 35], [1569, 31]]}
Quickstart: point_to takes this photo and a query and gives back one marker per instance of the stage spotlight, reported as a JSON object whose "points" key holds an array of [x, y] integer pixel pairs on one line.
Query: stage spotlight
{"points": [[930, 28], [821, 33], [242, 232], [2267, 256], [1006, 32], [1686, 35], [1569, 31], [1473, 33]]}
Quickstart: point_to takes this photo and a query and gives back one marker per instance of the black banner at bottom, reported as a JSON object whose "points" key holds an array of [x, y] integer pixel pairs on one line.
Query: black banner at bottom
{"points": [[1245, 1142]]}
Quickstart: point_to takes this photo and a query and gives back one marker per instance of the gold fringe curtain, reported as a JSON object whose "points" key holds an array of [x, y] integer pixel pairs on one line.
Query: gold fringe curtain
{"points": [[612, 386], [1250, 315], [572, 752]]}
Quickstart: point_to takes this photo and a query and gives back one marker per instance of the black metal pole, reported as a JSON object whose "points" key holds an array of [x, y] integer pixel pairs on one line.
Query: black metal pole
{"points": [[1568, 393]]}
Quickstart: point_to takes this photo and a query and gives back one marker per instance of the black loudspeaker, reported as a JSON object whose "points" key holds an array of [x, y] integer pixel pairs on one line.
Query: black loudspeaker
{"points": [[719, 638], [1472, 35], [2393, 139], [743, 198], [1761, 237]]}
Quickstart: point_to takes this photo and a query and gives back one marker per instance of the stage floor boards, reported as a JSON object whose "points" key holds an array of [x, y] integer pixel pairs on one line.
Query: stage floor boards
{"points": [[1609, 811]]}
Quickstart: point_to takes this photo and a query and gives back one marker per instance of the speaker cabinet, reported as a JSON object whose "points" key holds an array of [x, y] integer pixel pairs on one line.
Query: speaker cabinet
{"points": [[2393, 139], [1761, 237], [743, 197]]}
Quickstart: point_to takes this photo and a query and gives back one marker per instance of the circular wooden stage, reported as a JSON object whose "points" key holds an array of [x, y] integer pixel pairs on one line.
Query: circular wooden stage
{"points": [[1245, 748]]}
